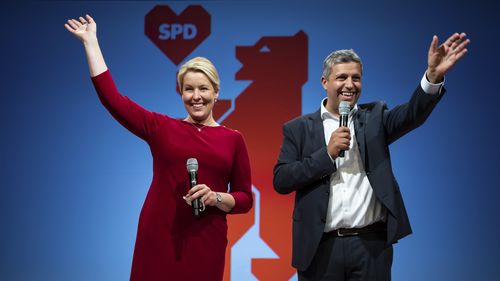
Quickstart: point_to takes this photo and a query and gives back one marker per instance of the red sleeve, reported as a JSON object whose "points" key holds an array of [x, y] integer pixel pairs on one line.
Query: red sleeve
{"points": [[241, 179], [132, 116]]}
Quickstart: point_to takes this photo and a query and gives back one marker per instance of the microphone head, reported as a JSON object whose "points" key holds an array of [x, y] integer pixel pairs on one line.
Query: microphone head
{"points": [[192, 165], [344, 108]]}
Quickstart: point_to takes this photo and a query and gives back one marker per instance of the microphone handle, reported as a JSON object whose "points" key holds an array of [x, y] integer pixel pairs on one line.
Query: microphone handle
{"points": [[343, 123], [196, 203], [196, 206]]}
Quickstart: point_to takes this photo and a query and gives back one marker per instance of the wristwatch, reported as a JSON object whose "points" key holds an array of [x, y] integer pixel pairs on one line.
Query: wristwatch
{"points": [[218, 197]]}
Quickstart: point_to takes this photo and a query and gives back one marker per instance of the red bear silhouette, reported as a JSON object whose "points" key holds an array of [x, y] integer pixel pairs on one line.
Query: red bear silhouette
{"points": [[277, 66]]}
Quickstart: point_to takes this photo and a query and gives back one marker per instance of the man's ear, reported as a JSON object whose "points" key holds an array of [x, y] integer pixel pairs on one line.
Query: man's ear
{"points": [[324, 82]]}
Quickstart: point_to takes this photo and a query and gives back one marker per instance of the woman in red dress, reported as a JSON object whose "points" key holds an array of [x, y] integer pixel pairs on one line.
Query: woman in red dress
{"points": [[171, 243]]}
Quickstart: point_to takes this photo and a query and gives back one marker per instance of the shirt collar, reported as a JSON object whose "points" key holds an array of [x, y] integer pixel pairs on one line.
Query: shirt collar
{"points": [[325, 114]]}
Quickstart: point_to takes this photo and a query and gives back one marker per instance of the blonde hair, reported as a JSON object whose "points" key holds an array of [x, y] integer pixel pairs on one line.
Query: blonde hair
{"points": [[199, 64]]}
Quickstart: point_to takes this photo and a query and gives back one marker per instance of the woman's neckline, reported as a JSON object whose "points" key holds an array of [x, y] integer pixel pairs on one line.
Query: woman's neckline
{"points": [[201, 127]]}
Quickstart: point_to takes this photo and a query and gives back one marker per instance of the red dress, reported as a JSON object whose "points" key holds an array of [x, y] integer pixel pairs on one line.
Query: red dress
{"points": [[171, 244]]}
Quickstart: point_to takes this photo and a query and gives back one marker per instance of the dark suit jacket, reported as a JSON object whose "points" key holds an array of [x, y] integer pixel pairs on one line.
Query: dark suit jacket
{"points": [[304, 167]]}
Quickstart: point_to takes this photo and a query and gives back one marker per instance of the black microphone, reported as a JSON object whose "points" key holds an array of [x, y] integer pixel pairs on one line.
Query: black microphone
{"points": [[344, 108], [192, 168]]}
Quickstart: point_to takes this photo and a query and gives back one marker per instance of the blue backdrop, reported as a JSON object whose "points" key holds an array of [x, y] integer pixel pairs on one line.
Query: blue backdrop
{"points": [[73, 180]]}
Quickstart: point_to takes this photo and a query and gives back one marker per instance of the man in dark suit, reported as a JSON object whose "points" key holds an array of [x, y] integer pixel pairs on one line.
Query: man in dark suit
{"points": [[348, 210]]}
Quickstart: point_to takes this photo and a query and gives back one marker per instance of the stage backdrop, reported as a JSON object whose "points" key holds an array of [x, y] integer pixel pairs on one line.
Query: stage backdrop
{"points": [[73, 181]]}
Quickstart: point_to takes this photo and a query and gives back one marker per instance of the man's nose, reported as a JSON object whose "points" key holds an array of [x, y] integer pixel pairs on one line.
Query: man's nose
{"points": [[349, 83]]}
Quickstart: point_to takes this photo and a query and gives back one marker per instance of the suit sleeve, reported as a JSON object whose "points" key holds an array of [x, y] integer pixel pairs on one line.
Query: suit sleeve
{"points": [[406, 117], [294, 170], [132, 116], [241, 179]]}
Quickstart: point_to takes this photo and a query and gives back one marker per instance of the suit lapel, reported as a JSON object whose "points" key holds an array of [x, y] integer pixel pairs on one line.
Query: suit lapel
{"points": [[317, 130], [359, 129]]}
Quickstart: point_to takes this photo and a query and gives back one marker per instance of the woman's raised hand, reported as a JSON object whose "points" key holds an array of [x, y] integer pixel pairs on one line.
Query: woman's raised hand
{"points": [[84, 29]]}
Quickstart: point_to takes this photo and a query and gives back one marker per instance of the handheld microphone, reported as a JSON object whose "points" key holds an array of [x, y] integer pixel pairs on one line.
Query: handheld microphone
{"points": [[192, 168], [344, 108]]}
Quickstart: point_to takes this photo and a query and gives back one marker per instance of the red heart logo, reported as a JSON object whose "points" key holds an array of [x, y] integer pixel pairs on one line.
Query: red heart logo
{"points": [[177, 35]]}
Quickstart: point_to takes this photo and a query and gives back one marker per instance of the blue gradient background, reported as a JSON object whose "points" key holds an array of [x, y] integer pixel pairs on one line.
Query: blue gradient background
{"points": [[73, 180]]}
